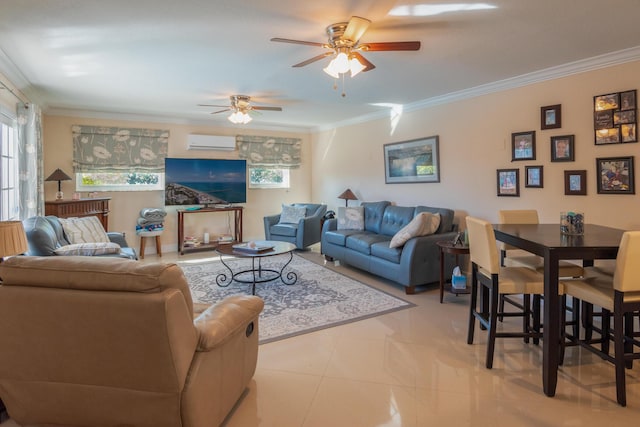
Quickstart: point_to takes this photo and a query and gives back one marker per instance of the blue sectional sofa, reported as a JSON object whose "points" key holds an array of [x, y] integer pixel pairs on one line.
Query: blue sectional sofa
{"points": [[415, 263]]}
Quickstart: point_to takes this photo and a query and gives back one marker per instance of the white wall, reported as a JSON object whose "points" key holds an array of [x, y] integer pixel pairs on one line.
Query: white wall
{"points": [[125, 206], [475, 140]]}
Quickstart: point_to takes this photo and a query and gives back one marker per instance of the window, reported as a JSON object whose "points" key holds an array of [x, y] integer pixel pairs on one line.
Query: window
{"points": [[117, 181], [9, 183], [268, 178]]}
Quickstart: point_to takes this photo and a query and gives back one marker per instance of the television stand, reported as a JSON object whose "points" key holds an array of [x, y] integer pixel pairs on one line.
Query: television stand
{"points": [[237, 232]]}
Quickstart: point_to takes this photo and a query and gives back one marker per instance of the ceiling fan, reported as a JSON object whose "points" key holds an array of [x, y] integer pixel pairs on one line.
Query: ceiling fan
{"points": [[240, 107], [344, 44]]}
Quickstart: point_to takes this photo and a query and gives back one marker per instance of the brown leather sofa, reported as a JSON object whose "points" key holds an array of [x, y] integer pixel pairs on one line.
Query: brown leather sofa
{"points": [[94, 341]]}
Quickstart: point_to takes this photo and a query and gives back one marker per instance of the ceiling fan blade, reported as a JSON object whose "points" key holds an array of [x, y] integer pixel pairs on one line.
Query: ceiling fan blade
{"points": [[356, 28], [253, 107], [221, 111], [372, 47], [278, 39], [211, 105], [314, 59], [368, 66]]}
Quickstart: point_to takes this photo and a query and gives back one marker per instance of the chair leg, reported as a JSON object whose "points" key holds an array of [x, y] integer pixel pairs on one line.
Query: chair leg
{"points": [[526, 316], [618, 330], [587, 320], [606, 331], [493, 319], [537, 312], [473, 304]]}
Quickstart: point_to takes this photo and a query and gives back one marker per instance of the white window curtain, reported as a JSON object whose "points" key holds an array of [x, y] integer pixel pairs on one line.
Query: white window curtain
{"points": [[270, 152], [30, 160], [120, 150]]}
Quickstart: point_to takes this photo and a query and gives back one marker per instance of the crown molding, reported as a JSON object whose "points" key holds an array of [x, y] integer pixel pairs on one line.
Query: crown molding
{"points": [[552, 73]]}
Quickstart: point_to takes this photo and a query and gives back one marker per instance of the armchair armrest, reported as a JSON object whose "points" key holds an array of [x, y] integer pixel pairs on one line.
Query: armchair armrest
{"points": [[310, 227], [217, 324], [268, 222]]}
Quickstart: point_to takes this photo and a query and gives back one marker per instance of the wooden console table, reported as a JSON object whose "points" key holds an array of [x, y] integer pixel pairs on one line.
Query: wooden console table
{"points": [[237, 237], [78, 208]]}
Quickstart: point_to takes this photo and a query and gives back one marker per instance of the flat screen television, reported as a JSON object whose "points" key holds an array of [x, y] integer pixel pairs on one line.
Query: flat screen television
{"points": [[205, 181]]}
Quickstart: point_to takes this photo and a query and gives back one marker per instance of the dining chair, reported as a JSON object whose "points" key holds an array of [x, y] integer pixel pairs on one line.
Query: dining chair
{"points": [[566, 268], [619, 296], [488, 276]]}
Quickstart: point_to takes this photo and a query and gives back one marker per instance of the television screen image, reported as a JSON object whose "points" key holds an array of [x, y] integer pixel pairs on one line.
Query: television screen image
{"points": [[205, 181]]}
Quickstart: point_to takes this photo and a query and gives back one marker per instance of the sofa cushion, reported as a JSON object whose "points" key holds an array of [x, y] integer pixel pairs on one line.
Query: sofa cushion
{"points": [[87, 229], [423, 224], [373, 212], [41, 236], [384, 251], [292, 214], [446, 217], [57, 228], [339, 237], [362, 242], [351, 218], [394, 218], [89, 249], [289, 230]]}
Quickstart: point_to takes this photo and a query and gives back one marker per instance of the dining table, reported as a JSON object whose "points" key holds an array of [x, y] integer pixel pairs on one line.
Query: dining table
{"points": [[546, 241]]}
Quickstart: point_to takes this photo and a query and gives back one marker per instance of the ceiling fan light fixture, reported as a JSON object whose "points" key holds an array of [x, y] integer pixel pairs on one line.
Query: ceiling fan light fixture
{"points": [[239, 118], [355, 66]]}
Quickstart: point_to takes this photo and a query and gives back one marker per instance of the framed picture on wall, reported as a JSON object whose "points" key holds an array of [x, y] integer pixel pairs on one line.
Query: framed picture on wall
{"points": [[551, 117], [614, 118], [562, 148], [615, 175], [412, 161], [533, 176], [508, 182], [575, 183], [523, 145]]}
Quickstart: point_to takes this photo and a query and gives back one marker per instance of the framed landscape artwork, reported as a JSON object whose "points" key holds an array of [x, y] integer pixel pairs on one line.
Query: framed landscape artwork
{"points": [[508, 182], [615, 175], [412, 161]]}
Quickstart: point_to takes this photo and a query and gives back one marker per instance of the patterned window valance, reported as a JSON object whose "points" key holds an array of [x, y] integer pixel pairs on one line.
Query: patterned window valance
{"points": [[267, 151], [115, 149]]}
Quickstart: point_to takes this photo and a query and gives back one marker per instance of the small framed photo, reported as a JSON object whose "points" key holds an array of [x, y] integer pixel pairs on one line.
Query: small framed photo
{"points": [[533, 176], [562, 148], [551, 117], [628, 132], [628, 100], [610, 101], [615, 175], [603, 119], [575, 183], [607, 136], [508, 181], [624, 117], [523, 145]]}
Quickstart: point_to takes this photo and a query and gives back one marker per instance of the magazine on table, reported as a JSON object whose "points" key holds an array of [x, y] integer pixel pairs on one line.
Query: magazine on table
{"points": [[252, 247]]}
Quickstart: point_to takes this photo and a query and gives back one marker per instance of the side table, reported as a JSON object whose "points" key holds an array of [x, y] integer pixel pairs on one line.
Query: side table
{"points": [[447, 247]]}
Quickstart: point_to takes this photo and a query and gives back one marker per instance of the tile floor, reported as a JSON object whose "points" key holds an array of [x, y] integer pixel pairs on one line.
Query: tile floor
{"points": [[414, 368]]}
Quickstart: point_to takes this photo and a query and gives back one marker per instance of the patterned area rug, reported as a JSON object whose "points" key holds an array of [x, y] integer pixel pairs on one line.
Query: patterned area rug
{"points": [[321, 298]]}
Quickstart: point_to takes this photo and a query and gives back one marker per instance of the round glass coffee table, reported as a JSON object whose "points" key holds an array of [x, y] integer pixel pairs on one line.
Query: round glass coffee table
{"points": [[256, 273]]}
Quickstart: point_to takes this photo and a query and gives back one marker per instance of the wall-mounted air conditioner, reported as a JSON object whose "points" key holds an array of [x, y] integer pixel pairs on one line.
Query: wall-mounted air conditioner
{"points": [[211, 142]]}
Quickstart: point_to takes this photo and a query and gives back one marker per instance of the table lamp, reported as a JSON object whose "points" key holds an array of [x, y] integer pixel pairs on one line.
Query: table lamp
{"points": [[13, 240], [58, 175], [347, 195]]}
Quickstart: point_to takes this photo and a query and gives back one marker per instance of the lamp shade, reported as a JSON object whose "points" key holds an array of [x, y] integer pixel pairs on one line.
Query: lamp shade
{"points": [[13, 240], [58, 175], [347, 195]]}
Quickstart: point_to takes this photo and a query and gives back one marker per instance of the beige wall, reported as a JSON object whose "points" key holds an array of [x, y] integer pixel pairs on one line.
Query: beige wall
{"points": [[475, 140], [125, 206]]}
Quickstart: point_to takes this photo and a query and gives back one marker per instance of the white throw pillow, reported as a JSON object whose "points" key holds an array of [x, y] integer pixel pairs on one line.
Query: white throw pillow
{"points": [[423, 224], [292, 214], [88, 249], [87, 229], [351, 218]]}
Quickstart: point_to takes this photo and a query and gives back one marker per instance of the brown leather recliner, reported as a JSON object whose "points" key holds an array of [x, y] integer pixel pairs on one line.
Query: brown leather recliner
{"points": [[91, 341]]}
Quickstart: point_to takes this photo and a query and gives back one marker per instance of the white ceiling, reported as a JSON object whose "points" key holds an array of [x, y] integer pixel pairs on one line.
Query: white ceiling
{"points": [[161, 58]]}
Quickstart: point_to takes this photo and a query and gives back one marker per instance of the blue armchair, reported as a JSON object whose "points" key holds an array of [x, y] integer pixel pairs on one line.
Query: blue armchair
{"points": [[305, 231]]}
